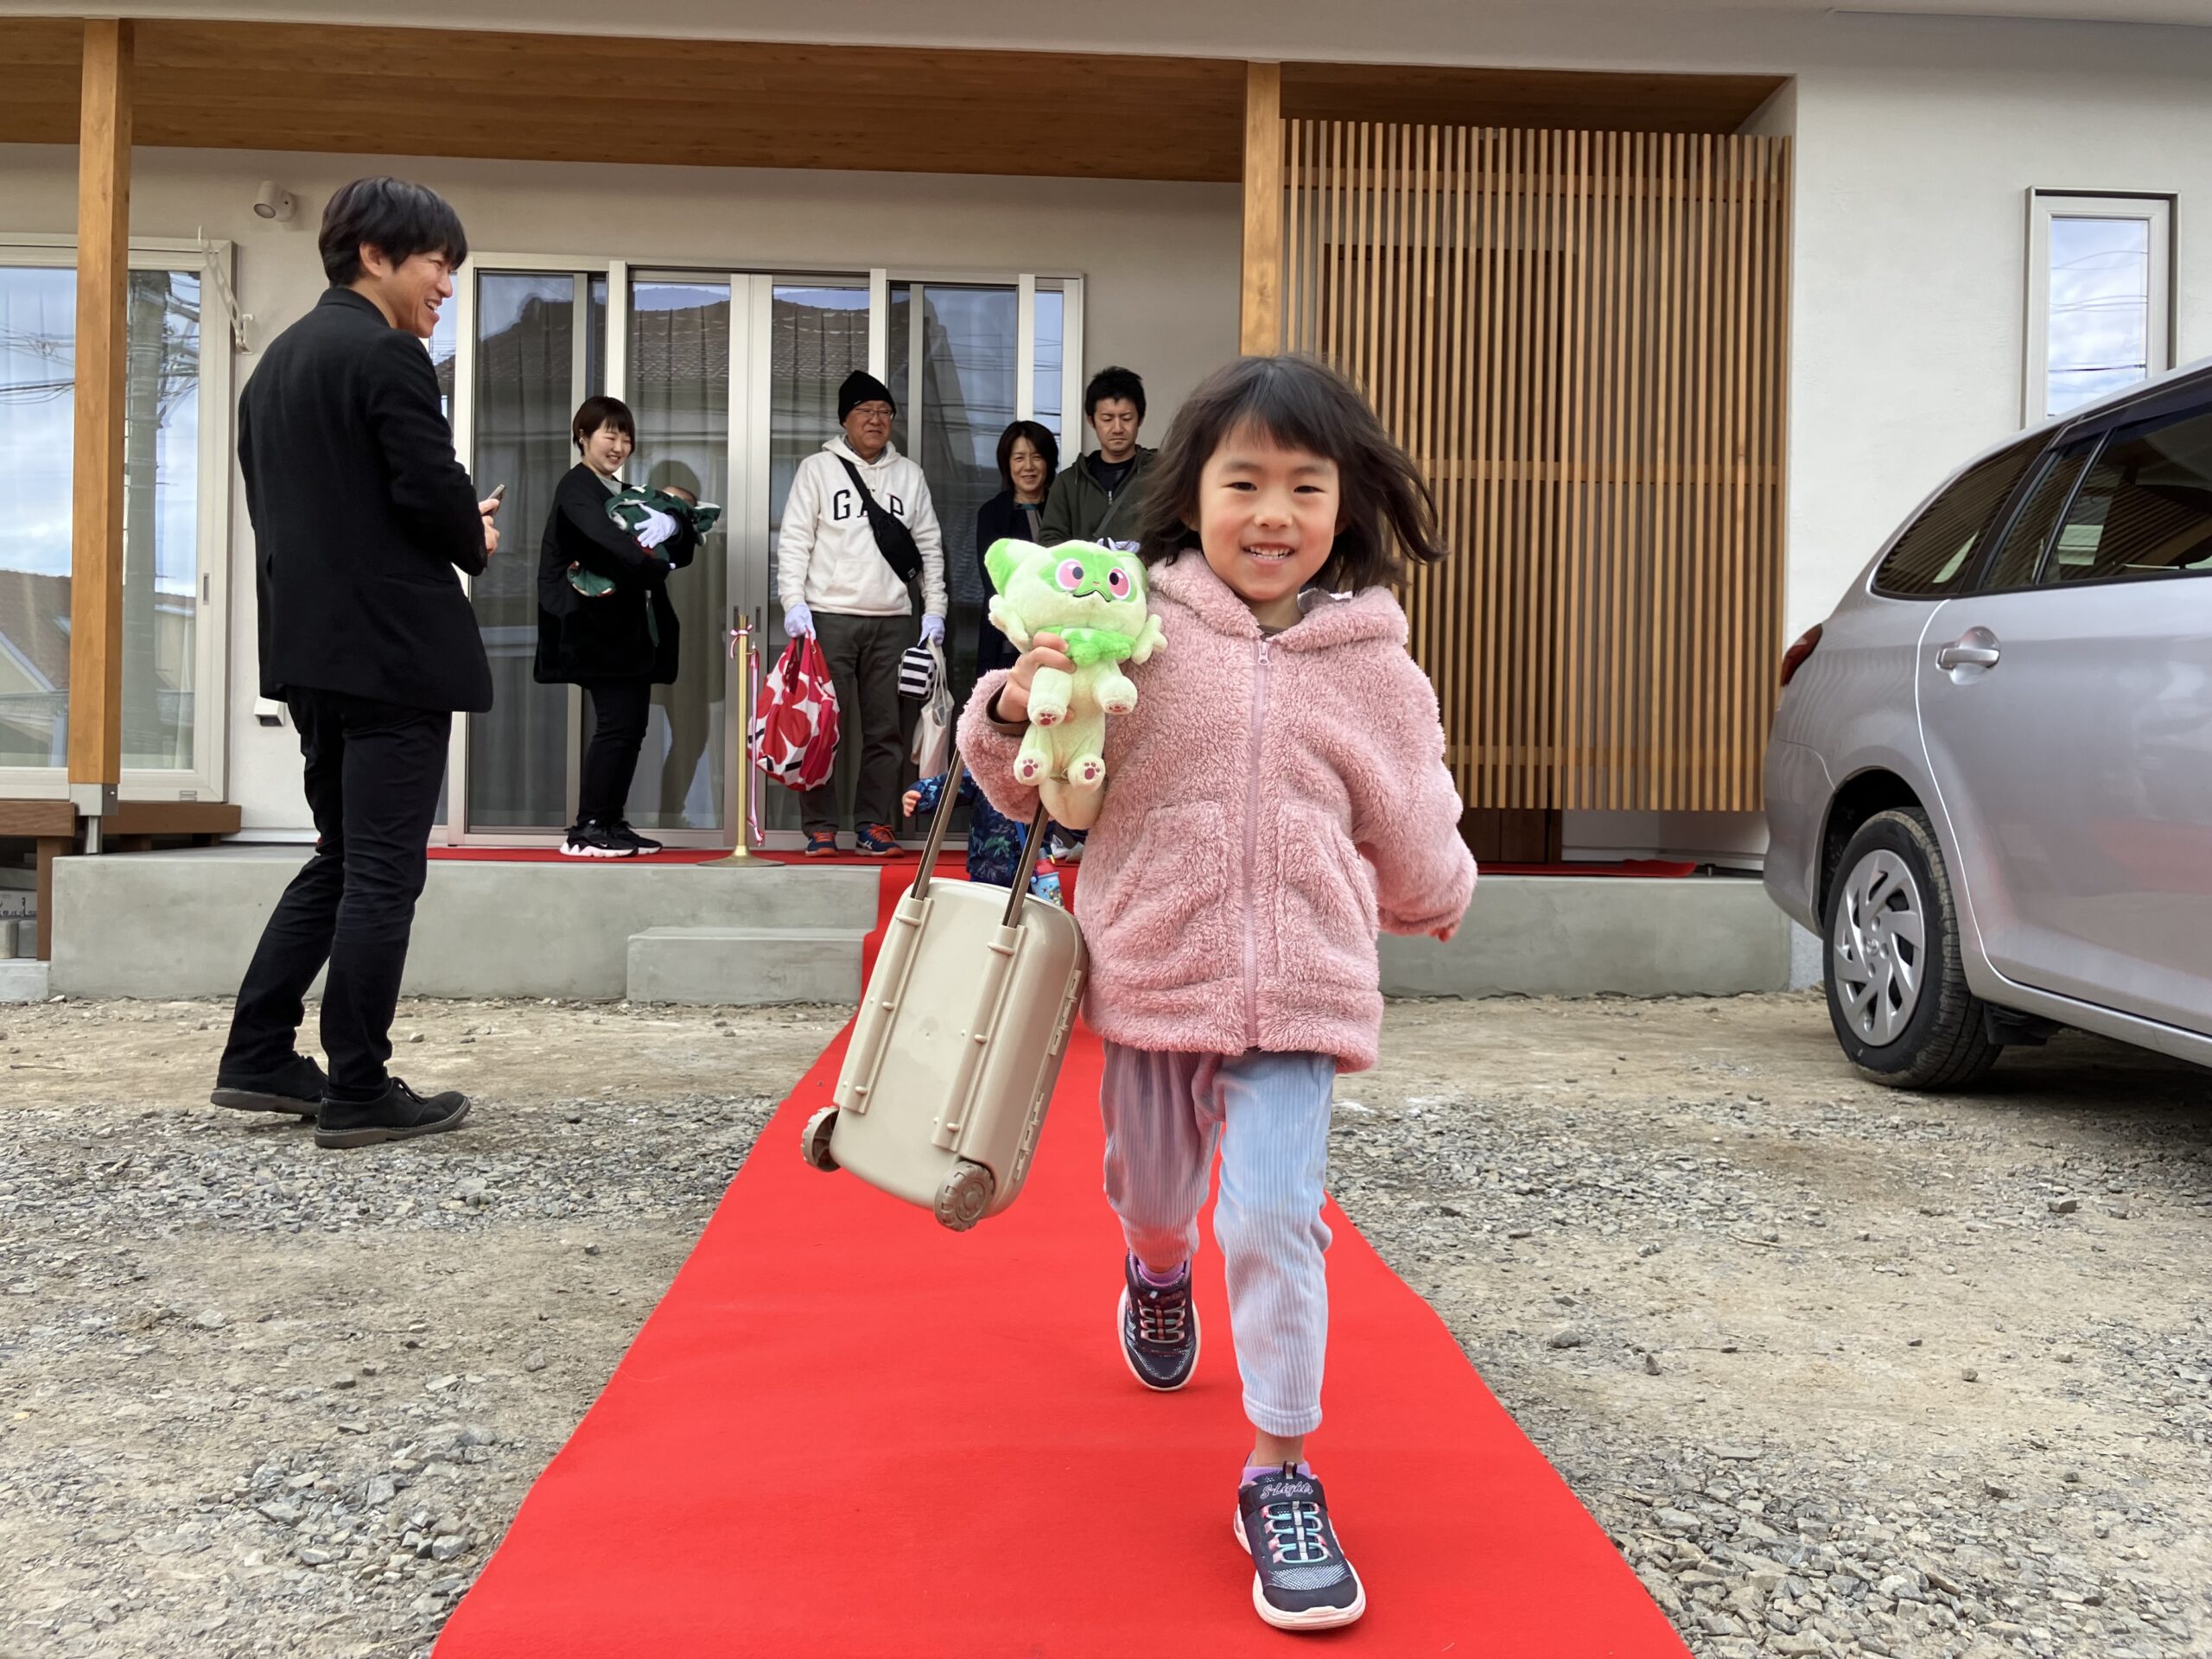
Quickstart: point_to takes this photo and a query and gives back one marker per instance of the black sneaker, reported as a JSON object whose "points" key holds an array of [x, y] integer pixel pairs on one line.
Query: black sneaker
{"points": [[594, 840], [1300, 1580], [296, 1087], [1160, 1329], [646, 845], [398, 1114]]}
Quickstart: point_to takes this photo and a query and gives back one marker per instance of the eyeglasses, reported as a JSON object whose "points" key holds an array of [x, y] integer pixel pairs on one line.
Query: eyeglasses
{"points": [[873, 411]]}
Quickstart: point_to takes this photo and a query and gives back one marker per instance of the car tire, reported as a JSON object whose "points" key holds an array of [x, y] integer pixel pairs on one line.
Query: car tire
{"points": [[1899, 1004]]}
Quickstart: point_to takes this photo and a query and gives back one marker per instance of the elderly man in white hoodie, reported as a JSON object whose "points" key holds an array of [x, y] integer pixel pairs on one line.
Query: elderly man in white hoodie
{"points": [[838, 585]]}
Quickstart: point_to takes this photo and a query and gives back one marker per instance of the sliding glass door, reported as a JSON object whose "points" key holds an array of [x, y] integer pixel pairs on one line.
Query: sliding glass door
{"points": [[732, 379]]}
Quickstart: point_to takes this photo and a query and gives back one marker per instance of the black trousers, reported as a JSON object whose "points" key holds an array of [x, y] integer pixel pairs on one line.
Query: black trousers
{"points": [[618, 710], [372, 775], [863, 653]]}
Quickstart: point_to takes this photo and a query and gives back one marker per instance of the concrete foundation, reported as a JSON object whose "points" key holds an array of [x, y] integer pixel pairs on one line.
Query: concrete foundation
{"points": [[1590, 936], [23, 979], [184, 923]]}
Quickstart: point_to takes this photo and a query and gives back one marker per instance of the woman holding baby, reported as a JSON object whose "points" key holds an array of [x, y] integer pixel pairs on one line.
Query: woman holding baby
{"points": [[604, 619]]}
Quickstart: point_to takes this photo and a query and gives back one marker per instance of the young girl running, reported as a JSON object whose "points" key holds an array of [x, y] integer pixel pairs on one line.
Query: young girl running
{"points": [[1278, 795]]}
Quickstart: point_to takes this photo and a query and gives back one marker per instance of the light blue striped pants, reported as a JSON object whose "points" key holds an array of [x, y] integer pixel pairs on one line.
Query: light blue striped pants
{"points": [[1269, 1115]]}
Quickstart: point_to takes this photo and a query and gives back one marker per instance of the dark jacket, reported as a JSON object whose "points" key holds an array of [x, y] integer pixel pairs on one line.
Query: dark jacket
{"points": [[1079, 509], [627, 634], [361, 515], [997, 520]]}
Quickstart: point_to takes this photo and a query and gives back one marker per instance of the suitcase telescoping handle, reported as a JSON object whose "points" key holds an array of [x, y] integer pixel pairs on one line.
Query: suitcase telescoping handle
{"points": [[955, 772]]}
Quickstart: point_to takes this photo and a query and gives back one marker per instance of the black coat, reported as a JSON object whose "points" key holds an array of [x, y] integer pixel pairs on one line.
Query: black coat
{"points": [[998, 519], [361, 515], [608, 638]]}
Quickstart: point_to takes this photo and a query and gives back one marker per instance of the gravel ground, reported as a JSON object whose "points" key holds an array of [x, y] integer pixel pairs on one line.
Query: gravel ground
{"points": [[1840, 1370]]}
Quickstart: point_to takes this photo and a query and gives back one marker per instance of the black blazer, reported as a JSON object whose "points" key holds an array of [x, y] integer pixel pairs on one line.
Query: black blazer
{"points": [[361, 515], [608, 637], [998, 519]]}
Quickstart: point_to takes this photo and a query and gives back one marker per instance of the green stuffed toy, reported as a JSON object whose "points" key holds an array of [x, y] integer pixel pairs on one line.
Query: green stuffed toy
{"points": [[1095, 599]]}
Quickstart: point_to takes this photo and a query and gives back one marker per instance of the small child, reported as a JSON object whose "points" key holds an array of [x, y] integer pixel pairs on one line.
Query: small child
{"points": [[1278, 794], [993, 839]]}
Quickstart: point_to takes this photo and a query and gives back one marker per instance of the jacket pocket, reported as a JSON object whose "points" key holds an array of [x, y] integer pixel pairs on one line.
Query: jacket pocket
{"points": [[1326, 916], [1163, 926]]}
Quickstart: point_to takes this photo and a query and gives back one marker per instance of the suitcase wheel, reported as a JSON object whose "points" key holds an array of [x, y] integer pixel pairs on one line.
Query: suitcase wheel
{"points": [[965, 1196], [816, 1145]]}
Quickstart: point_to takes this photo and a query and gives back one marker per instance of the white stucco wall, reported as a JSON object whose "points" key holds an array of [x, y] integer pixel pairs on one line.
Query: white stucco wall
{"points": [[1917, 141], [1159, 262]]}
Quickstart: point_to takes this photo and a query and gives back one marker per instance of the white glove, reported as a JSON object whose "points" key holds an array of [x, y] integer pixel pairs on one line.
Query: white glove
{"points": [[798, 622], [657, 528], [933, 628]]}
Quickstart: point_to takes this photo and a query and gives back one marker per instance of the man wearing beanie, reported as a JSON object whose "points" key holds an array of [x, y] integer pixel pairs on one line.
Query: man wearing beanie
{"points": [[839, 582]]}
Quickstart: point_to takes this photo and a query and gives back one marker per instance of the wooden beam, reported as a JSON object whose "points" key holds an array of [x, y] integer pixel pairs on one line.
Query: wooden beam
{"points": [[103, 302], [1260, 331]]}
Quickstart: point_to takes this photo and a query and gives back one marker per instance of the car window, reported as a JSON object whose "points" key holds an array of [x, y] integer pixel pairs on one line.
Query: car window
{"points": [[2143, 509], [1935, 557], [2020, 555]]}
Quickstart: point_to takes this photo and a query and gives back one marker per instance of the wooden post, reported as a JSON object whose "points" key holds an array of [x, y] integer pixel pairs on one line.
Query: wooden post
{"points": [[1260, 313], [103, 304]]}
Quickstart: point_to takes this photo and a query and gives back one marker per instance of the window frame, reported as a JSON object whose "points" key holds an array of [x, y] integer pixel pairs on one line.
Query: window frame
{"points": [[214, 263], [751, 280], [2043, 206]]}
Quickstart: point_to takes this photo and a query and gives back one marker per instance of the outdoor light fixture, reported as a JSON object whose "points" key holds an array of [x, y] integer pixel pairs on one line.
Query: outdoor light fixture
{"points": [[272, 203]]}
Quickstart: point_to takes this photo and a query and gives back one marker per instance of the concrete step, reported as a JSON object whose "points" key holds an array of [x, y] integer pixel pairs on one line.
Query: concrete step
{"points": [[185, 924], [745, 967]]}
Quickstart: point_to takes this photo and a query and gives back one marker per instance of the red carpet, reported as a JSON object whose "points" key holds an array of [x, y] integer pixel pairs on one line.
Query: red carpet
{"points": [[847, 1431]]}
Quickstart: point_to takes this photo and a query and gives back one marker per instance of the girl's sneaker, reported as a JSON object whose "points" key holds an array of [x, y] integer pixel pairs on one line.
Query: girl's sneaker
{"points": [[1300, 1580], [1160, 1329]]}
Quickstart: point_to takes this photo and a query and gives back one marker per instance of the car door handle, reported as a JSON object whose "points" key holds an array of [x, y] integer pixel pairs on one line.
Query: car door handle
{"points": [[1969, 653]]}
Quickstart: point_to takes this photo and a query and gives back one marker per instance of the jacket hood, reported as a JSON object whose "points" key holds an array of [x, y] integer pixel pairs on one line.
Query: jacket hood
{"points": [[837, 446], [1373, 613]]}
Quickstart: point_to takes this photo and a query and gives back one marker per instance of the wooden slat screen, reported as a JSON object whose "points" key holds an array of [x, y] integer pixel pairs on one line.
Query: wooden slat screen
{"points": [[1581, 337]]}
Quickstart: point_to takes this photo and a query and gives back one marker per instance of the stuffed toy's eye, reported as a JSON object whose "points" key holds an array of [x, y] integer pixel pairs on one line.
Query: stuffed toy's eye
{"points": [[1070, 575], [1117, 583]]}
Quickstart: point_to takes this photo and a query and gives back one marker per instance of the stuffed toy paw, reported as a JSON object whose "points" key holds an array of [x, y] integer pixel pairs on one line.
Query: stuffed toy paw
{"points": [[1095, 599]]}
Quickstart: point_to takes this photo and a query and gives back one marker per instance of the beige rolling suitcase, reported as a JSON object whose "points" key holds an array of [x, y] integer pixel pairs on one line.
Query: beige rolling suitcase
{"points": [[958, 1041]]}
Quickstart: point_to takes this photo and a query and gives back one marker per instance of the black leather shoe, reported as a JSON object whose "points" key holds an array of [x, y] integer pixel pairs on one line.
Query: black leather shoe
{"points": [[398, 1114], [295, 1087]]}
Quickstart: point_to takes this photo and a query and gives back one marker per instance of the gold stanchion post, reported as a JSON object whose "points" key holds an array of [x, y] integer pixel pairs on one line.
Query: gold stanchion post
{"points": [[740, 651]]}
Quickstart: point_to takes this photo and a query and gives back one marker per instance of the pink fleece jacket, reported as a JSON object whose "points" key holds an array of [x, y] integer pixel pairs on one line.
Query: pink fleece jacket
{"points": [[1270, 803]]}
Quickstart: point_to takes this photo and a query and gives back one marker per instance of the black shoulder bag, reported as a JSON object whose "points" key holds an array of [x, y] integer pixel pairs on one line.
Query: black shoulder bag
{"points": [[892, 539]]}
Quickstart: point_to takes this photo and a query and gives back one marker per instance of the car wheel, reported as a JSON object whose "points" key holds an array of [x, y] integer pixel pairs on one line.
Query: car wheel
{"points": [[1897, 994]]}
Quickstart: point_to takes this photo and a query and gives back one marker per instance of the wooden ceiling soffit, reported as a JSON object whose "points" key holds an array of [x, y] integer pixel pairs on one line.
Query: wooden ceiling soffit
{"points": [[498, 96], [701, 102], [1543, 99]]}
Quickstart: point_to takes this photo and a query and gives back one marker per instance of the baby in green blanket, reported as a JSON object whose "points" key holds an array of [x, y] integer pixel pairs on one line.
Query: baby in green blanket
{"points": [[649, 517]]}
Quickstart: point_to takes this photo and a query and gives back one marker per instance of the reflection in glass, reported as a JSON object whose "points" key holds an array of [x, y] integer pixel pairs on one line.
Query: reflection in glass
{"points": [[679, 380], [445, 339], [817, 334], [38, 333], [2100, 307], [527, 365], [161, 518], [967, 376], [1052, 330], [161, 530]]}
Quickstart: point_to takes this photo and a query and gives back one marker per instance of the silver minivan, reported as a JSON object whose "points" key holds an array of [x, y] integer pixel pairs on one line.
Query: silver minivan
{"points": [[1989, 788]]}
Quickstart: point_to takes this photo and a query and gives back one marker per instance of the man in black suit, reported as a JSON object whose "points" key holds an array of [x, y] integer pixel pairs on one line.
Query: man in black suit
{"points": [[361, 515]]}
